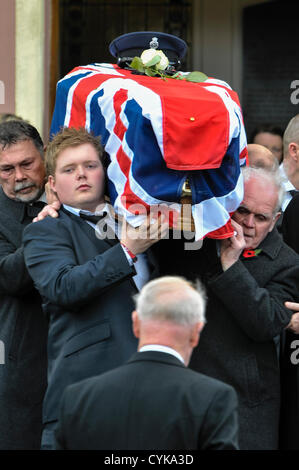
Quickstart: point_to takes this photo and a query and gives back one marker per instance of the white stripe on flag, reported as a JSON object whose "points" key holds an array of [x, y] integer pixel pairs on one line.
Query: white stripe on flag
{"points": [[211, 214]]}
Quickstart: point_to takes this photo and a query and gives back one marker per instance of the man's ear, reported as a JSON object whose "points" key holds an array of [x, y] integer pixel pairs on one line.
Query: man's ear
{"points": [[195, 334], [136, 324], [274, 221], [293, 150], [51, 181]]}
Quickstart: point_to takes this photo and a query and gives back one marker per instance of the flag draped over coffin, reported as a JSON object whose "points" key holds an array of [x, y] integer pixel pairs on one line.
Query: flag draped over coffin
{"points": [[158, 133]]}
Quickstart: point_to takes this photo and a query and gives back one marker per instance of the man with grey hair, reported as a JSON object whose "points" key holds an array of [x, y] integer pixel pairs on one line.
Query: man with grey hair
{"points": [[248, 278], [23, 326], [154, 401], [290, 164], [248, 282]]}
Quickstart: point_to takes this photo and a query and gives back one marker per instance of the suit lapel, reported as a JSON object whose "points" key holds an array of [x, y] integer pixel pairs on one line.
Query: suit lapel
{"points": [[91, 234], [110, 239], [90, 231]]}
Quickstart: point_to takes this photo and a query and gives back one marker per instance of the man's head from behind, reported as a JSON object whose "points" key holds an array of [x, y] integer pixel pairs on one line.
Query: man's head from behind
{"points": [[291, 151], [261, 157], [22, 172], [170, 311], [259, 210], [74, 168]]}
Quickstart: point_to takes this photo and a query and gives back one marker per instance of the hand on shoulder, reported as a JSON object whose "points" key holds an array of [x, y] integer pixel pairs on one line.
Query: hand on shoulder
{"points": [[49, 210]]}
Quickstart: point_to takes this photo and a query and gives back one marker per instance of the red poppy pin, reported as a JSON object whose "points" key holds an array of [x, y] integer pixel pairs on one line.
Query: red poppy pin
{"points": [[251, 253]]}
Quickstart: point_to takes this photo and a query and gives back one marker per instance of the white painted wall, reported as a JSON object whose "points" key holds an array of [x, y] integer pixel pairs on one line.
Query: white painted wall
{"points": [[217, 39], [29, 61]]}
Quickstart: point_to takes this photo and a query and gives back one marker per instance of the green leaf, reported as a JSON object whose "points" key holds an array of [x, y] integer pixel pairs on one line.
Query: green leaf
{"points": [[196, 77], [137, 64], [150, 72], [155, 60]]}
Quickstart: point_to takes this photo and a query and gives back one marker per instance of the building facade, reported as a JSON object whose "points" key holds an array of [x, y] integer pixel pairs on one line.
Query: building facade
{"points": [[41, 40]]}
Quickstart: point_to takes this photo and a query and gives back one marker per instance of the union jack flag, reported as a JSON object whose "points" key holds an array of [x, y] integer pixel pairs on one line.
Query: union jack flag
{"points": [[158, 133]]}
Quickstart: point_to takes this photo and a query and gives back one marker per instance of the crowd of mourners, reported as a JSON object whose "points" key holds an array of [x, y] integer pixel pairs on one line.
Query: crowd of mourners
{"points": [[116, 337]]}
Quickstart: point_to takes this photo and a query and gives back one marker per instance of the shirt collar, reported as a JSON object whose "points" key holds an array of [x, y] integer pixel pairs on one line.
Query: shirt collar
{"points": [[162, 348], [43, 198], [76, 211], [288, 186]]}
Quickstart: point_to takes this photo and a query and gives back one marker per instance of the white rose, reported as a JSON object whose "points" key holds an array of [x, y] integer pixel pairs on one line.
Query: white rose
{"points": [[149, 54]]}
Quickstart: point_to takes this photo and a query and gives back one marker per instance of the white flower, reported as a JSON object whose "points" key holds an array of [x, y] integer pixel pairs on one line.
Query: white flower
{"points": [[149, 54]]}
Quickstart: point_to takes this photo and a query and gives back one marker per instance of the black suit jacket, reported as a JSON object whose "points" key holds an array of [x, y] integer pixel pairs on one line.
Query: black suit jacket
{"points": [[152, 402], [289, 436], [87, 287], [23, 330]]}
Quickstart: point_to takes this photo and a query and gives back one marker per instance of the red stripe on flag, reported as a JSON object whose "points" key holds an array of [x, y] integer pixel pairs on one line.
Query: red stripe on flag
{"points": [[81, 92], [119, 98], [226, 231], [128, 198]]}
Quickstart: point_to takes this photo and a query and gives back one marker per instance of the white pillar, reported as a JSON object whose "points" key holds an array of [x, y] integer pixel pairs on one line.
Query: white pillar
{"points": [[29, 90]]}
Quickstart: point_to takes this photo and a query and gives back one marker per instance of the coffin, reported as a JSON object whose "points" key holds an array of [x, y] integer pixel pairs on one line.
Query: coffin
{"points": [[170, 142]]}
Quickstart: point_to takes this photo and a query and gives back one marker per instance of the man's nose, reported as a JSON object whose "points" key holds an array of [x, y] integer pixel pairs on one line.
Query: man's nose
{"points": [[80, 173], [249, 220], [19, 174]]}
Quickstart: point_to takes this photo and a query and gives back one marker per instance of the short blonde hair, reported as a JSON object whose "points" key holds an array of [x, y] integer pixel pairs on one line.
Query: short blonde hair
{"points": [[69, 137]]}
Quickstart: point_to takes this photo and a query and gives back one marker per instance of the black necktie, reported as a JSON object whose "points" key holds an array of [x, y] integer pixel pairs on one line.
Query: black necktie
{"points": [[92, 218], [34, 208]]}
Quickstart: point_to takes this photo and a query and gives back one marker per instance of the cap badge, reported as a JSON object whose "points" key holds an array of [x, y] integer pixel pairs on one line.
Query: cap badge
{"points": [[154, 44]]}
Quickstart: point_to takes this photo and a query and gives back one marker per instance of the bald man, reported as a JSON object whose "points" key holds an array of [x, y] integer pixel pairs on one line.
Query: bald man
{"points": [[154, 401], [261, 157]]}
